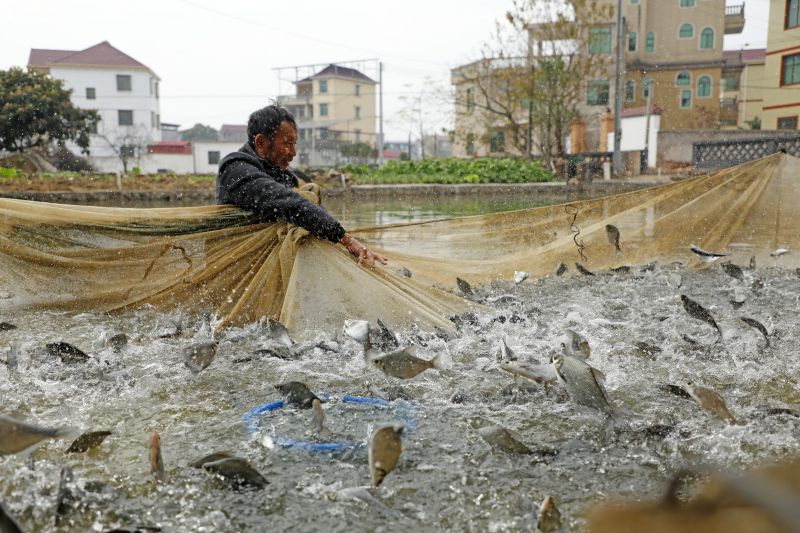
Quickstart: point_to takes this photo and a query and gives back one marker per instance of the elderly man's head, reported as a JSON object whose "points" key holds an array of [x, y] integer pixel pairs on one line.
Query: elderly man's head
{"points": [[272, 133]]}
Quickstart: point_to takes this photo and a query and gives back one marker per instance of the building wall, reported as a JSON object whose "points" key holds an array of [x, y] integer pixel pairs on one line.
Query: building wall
{"points": [[752, 94], [342, 100], [677, 146], [172, 163], [200, 152], [141, 100], [779, 100]]}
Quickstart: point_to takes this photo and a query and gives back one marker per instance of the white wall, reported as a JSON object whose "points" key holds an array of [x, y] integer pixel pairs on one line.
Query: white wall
{"points": [[175, 163], [633, 132], [201, 149]]}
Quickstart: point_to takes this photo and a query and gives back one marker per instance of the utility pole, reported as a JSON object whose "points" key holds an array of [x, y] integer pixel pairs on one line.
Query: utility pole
{"points": [[616, 159], [649, 83], [529, 133], [380, 111]]}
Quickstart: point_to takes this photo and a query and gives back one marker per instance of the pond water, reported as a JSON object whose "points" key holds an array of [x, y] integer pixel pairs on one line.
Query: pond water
{"points": [[448, 477]]}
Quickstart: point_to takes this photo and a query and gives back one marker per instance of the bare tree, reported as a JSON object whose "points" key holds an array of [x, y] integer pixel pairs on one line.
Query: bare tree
{"points": [[128, 145], [534, 70]]}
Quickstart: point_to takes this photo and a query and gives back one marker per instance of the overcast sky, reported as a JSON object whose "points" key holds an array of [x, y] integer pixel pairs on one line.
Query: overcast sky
{"points": [[216, 59]]}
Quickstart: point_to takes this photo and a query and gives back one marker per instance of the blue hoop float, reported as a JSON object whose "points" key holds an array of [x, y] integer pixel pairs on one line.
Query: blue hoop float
{"points": [[251, 421]]}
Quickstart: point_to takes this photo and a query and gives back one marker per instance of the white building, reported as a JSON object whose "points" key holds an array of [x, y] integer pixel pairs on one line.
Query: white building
{"points": [[121, 89]]}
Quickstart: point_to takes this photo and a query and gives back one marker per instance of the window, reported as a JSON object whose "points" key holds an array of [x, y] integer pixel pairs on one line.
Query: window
{"points": [[600, 40], [125, 117], [152, 119], [686, 31], [732, 84], [156, 89], [127, 151], [323, 86], [650, 43], [686, 99], [358, 112], [358, 136], [632, 41], [703, 87], [790, 69], [792, 14], [213, 157], [323, 110], [123, 82], [470, 100], [91, 94], [634, 2], [323, 134], [684, 78], [158, 120], [597, 93], [497, 142], [687, 3], [646, 87], [707, 39], [358, 90], [630, 91], [152, 84], [470, 144], [787, 123]]}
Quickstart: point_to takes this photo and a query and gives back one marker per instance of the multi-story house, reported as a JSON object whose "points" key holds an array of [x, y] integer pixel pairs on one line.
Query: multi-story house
{"points": [[334, 107], [781, 91], [743, 76], [121, 89]]}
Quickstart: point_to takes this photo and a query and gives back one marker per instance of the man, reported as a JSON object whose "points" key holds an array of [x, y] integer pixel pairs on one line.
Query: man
{"points": [[257, 178]]}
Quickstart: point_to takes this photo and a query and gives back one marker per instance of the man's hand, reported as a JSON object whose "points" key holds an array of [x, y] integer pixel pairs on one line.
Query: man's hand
{"points": [[364, 255]]}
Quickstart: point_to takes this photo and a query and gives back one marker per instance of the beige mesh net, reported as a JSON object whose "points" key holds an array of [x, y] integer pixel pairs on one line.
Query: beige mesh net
{"points": [[219, 258]]}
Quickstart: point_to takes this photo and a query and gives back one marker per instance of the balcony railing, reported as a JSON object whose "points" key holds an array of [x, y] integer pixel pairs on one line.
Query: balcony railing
{"points": [[734, 19], [728, 103]]}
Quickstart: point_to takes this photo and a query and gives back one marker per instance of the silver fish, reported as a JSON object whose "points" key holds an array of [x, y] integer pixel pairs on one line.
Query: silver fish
{"points": [[779, 252], [403, 271], [156, 462], [501, 438], [706, 256], [197, 357], [710, 401], [297, 394], [118, 342], [733, 271], [520, 276], [16, 436], [576, 345], [504, 353], [358, 330], [383, 451], [278, 331], [68, 353], [404, 365], [752, 262], [549, 519], [583, 383], [237, 472], [753, 323], [536, 373], [7, 326], [697, 311], [583, 270], [210, 458], [612, 232], [383, 338]]}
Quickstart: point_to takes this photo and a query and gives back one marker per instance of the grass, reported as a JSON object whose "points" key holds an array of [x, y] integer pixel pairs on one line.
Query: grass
{"points": [[451, 171]]}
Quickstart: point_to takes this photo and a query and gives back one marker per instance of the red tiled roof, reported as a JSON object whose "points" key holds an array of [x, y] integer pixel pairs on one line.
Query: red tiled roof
{"points": [[170, 147], [101, 54], [640, 111], [753, 55]]}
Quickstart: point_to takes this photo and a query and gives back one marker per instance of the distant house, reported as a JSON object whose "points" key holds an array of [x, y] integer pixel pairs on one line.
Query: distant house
{"points": [[123, 90], [233, 133]]}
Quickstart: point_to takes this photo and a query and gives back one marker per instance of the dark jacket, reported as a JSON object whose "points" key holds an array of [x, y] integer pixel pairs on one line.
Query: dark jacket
{"points": [[254, 184]]}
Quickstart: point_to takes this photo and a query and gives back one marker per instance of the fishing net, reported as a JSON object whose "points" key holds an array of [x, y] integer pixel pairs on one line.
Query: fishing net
{"points": [[222, 259]]}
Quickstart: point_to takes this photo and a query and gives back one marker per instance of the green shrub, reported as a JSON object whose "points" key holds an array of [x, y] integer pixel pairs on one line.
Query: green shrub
{"points": [[9, 172], [452, 171]]}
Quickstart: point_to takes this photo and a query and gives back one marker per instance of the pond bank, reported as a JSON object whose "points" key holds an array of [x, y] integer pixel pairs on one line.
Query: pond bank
{"points": [[205, 195]]}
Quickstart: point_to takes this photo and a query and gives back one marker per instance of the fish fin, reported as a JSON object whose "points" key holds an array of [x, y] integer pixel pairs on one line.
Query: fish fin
{"points": [[599, 375], [437, 362]]}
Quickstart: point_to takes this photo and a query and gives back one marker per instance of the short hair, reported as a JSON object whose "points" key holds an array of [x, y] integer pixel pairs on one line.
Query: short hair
{"points": [[266, 121]]}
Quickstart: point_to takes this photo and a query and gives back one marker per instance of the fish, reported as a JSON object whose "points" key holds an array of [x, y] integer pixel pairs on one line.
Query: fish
{"points": [[752, 262], [383, 338], [710, 401], [318, 420], [118, 342], [7, 523], [779, 252], [697, 311], [500, 437], [705, 256], [583, 270], [87, 441], [648, 267], [177, 332], [156, 462], [576, 345], [676, 390], [210, 458], [403, 271], [197, 357], [278, 331], [560, 269], [583, 383], [647, 349], [753, 323], [237, 472], [7, 326], [68, 353], [404, 365], [612, 232], [674, 280], [16, 436], [503, 299], [464, 287], [277, 351], [297, 394], [622, 269], [504, 353], [549, 517], [358, 330], [536, 373], [733, 271], [383, 451], [520, 276]]}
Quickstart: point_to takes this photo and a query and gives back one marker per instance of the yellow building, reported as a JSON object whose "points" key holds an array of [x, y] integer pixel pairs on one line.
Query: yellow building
{"points": [[335, 106], [743, 78], [781, 90]]}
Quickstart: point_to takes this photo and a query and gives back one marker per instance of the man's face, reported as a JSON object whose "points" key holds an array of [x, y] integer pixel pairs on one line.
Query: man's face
{"points": [[280, 150]]}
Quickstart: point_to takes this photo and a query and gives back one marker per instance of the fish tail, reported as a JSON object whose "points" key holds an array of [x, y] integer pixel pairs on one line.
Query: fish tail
{"points": [[67, 432], [437, 362]]}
